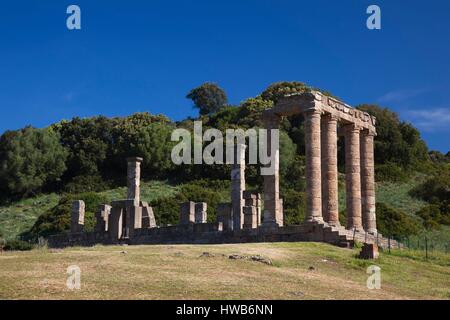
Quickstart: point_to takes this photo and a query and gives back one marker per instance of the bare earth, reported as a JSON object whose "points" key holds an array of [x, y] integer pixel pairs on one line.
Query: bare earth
{"points": [[299, 271]]}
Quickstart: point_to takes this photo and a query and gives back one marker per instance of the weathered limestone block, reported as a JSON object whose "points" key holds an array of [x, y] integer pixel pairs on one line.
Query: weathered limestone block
{"points": [[132, 221], [115, 222], [369, 251], [225, 215], [313, 166], [330, 200], [201, 212], [368, 182], [102, 218], [148, 218], [77, 218], [187, 212], [353, 177], [250, 217], [238, 185], [134, 179]]}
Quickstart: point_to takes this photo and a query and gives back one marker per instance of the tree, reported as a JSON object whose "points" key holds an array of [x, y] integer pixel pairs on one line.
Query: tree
{"points": [[30, 159], [208, 98]]}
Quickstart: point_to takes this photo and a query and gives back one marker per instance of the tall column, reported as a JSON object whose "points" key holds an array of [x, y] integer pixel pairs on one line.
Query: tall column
{"points": [[273, 213], [238, 186], [134, 179], [353, 177], [313, 166], [368, 182], [330, 199]]}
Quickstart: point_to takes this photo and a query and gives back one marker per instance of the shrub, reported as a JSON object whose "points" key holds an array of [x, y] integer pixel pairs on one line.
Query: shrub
{"points": [[390, 172], [294, 206], [394, 222], [18, 245], [57, 219]]}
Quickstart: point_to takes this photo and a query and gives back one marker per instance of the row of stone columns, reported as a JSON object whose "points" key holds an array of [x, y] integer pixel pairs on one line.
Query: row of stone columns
{"points": [[322, 172], [321, 135]]}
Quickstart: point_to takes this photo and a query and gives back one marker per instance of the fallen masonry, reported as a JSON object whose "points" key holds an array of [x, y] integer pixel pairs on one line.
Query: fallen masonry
{"points": [[255, 217]]}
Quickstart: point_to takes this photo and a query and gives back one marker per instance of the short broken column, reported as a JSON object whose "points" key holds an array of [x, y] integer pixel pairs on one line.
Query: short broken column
{"points": [[148, 217], [187, 212], [201, 212], [134, 179], [225, 216], [102, 218], [238, 186], [252, 199], [77, 218]]}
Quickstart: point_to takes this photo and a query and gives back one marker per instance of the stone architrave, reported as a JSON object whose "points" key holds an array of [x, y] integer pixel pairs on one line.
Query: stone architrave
{"points": [[102, 218], [77, 217], [187, 212], [329, 173], [368, 182], [134, 179], [313, 166], [201, 212], [225, 216], [238, 186], [353, 177]]}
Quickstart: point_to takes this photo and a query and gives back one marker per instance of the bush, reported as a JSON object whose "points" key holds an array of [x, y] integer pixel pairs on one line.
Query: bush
{"points": [[18, 245], [294, 206], [57, 219], [394, 222], [390, 172]]}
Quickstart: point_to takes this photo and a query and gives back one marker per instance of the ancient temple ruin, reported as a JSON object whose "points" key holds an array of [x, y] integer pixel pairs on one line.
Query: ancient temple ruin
{"points": [[252, 217]]}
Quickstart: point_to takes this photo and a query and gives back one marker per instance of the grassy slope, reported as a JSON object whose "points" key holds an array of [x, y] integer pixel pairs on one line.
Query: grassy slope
{"points": [[178, 272]]}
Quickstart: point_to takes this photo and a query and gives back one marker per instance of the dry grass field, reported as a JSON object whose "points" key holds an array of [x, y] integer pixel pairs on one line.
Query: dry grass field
{"points": [[298, 271]]}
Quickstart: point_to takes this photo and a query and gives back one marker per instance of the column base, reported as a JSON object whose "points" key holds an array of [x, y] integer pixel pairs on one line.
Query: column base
{"points": [[318, 220]]}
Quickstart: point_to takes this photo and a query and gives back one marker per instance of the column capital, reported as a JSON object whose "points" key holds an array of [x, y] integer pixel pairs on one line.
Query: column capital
{"points": [[351, 127], [369, 132], [134, 159], [330, 117]]}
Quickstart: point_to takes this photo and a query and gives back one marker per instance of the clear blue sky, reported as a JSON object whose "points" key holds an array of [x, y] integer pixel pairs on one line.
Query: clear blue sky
{"points": [[146, 55]]}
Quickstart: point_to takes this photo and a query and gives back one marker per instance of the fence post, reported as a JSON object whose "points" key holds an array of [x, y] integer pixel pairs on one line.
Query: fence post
{"points": [[389, 243]]}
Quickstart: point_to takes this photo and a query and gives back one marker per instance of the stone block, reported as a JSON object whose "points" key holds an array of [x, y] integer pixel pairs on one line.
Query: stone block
{"points": [[187, 212], [369, 251], [77, 216], [201, 212], [225, 215], [148, 218]]}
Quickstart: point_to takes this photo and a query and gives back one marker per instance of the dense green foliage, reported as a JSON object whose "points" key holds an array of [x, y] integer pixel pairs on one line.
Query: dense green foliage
{"points": [[30, 160], [394, 222], [208, 98]]}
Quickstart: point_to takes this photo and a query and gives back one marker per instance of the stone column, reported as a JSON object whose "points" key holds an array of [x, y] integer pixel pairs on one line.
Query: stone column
{"points": [[134, 179], [313, 166], [187, 212], [368, 181], [273, 215], [353, 177], [224, 216], [330, 199], [77, 218], [102, 218], [201, 215], [238, 186]]}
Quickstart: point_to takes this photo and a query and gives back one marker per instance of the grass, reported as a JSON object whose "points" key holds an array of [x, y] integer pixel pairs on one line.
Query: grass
{"points": [[299, 271], [20, 216]]}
